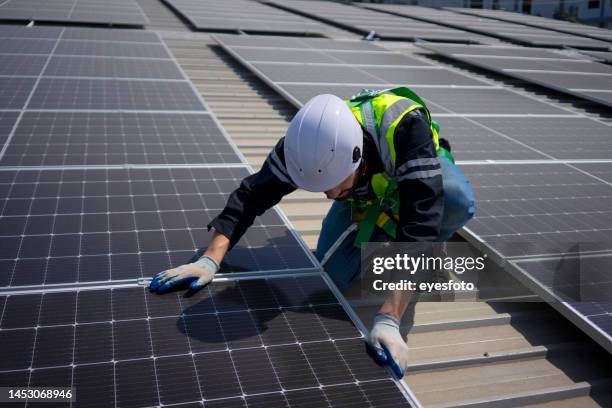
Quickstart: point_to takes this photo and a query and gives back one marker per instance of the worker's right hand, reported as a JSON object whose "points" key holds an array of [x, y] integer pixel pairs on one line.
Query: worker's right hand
{"points": [[197, 274], [388, 345]]}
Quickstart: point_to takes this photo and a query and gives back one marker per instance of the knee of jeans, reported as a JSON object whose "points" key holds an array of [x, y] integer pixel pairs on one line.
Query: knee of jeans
{"points": [[458, 195]]}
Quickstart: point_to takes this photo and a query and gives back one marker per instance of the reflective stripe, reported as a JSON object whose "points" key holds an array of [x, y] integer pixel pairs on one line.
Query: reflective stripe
{"points": [[368, 119], [421, 174], [392, 113], [278, 169], [428, 161], [389, 120]]}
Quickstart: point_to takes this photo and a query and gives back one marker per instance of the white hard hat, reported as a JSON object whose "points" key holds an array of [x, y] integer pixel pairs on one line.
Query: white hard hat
{"points": [[323, 144]]}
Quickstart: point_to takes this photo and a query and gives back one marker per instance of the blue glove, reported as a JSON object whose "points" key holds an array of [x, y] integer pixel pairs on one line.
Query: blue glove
{"points": [[388, 344], [198, 274]]}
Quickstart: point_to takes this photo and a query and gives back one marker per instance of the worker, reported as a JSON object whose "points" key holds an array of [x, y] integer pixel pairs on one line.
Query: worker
{"points": [[379, 157]]}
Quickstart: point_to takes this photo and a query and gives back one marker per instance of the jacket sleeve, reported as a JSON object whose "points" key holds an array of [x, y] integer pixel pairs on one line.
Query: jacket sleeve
{"points": [[419, 177], [256, 194]]}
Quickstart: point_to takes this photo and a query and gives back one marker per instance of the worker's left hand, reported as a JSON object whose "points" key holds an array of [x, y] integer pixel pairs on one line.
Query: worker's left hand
{"points": [[388, 344]]}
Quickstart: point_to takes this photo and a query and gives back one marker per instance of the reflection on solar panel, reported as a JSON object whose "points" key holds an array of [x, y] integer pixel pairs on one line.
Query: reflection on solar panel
{"points": [[62, 226], [264, 342], [541, 22], [80, 138], [386, 26], [244, 15], [580, 77], [111, 12], [507, 31]]}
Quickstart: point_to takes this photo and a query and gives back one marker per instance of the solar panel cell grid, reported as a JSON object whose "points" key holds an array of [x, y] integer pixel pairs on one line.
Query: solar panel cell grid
{"points": [[22, 64], [85, 94], [470, 141], [26, 46], [60, 138], [111, 49], [81, 11], [214, 347], [244, 15], [14, 91], [557, 137], [115, 35], [15, 31], [7, 121], [537, 209], [112, 68], [61, 226]]}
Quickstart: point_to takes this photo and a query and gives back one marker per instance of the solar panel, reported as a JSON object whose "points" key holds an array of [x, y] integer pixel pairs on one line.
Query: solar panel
{"points": [[244, 15], [14, 91], [69, 66], [584, 79], [516, 33], [386, 26], [26, 46], [113, 138], [541, 22], [110, 49], [528, 209], [569, 138], [115, 35], [548, 66], [328, 57], [87, 94], [260, 342], [83, 225], [22, 64], [112, 12], [443, 100], [19, 31], [472, 141]]}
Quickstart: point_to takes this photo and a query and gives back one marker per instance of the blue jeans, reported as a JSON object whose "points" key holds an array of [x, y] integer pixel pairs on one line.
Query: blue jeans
{"points": [[344, 265]]}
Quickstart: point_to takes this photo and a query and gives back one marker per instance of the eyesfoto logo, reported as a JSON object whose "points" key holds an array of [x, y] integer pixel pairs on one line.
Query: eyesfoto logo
{"points": [[413, 264]]}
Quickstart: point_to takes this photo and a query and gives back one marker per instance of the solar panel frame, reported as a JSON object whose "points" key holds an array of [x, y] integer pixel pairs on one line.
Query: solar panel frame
{"points": [[221, 329]]}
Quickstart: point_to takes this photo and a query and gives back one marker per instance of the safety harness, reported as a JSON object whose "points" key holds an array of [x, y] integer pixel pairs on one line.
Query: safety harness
{"points": [[379, 112]]}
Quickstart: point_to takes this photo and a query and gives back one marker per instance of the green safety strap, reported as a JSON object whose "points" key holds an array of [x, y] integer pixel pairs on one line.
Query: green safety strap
{"points": [[388, 204]]}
